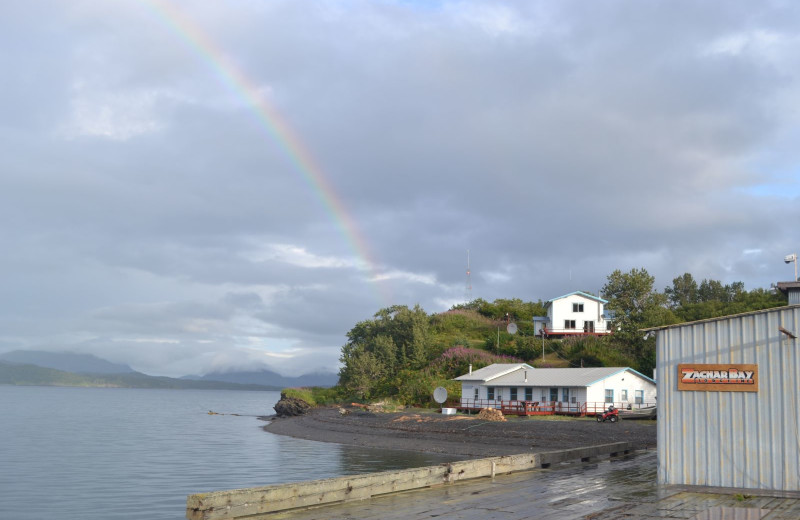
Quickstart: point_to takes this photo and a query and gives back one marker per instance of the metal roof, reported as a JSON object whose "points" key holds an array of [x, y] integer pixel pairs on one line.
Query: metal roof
{"points": [[502, 374], [562, 376], [579, 293], [493, 371], [718, 318]]}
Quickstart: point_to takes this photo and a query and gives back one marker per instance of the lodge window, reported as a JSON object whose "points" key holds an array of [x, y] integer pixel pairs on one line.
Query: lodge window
{"points": [[569, 324], [513, 396], [609, 396], [529, 394], [490, 392], [577, 307], [639, 396]]}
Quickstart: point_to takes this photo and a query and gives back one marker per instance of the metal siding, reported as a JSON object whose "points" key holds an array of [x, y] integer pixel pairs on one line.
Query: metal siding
{"points": [[731, 439], [794, 297]]}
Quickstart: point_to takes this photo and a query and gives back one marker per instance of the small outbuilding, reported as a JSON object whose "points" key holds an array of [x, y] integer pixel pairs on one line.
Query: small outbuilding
{"points": [[511, 386], [729, 401]]}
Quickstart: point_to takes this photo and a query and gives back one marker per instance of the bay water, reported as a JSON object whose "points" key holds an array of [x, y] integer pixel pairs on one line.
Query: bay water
{"points": [[120, 453]]}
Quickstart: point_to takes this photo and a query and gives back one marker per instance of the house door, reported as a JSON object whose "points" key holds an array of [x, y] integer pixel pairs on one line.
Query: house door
{"points": [[588, 326], [554, 394]]}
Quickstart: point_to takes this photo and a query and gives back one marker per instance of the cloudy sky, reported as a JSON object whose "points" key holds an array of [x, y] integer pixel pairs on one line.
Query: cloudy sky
{"points": [[192, 186]]}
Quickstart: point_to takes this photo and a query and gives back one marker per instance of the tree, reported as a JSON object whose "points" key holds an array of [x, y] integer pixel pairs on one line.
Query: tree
{"points": [[683, 291], [361, 374], [636, 303], [637, 306]]}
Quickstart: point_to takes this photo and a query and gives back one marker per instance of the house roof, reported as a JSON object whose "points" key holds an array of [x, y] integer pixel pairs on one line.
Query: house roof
{"points": [[548, 376], [579, 293], [494, 371], [785, 287]]}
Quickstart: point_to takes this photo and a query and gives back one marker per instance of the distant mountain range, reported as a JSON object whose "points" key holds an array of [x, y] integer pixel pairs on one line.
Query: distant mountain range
{"points": [[66, 361], [266, 377], [31, 367]]}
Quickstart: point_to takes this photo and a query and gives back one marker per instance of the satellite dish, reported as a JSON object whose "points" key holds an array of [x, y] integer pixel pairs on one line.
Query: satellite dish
{"points": [[511, 328], [440, 394]]}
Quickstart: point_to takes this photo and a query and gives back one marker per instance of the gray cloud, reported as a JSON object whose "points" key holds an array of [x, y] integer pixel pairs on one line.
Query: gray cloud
{"points": [[152, 216]]}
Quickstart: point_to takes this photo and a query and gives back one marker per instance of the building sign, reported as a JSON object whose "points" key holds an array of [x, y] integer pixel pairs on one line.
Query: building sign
{"points": [[718, 378]]}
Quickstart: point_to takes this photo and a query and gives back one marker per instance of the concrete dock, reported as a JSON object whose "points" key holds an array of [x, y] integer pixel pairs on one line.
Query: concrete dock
{"points": [[623, 487]]}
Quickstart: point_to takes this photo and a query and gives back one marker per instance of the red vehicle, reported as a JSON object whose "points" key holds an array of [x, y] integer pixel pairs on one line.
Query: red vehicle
{"points": [[612, 414]]}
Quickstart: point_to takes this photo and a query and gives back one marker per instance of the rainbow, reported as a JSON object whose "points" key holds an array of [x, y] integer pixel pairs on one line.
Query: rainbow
{"points": [[275, 126]]}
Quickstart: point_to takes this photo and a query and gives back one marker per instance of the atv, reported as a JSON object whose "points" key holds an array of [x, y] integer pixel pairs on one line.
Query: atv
{"points": [[612, 415]]}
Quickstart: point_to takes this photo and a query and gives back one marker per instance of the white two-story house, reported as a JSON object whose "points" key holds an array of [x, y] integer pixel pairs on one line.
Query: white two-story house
{"points": [[574, 314]]}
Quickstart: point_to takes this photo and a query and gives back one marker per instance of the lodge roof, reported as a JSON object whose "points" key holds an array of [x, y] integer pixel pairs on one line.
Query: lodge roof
{"points": [[493, 371], [563, 376], [579, 293], [507, 374]]}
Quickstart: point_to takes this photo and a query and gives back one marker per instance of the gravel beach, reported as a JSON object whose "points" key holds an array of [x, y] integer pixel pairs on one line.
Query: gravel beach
{"points": [[460, 435]]}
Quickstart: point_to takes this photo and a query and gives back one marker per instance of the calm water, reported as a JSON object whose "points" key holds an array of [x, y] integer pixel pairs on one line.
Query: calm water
{"points": [[103, 453]]}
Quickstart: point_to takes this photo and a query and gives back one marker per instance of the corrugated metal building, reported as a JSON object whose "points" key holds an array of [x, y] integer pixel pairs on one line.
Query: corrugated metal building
{"points": [[738, 439], [792, 290]]}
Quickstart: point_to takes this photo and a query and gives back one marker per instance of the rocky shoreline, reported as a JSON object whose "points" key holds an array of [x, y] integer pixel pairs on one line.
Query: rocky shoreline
{"points": [[459, 435]]}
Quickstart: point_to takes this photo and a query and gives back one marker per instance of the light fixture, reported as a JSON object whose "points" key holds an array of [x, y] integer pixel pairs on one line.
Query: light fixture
{"points": [[789, 259]]}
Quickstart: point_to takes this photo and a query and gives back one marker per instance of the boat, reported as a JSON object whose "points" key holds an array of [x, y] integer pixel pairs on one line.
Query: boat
{"points": [[648, 412]]}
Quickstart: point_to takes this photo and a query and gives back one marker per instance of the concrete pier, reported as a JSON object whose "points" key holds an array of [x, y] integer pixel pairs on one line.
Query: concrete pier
{"points": [[606, 489], [243, 503]]}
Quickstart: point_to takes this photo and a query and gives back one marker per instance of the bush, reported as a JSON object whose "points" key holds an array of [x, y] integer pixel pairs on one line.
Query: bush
{"points": [[416, 388], [455, 362]]}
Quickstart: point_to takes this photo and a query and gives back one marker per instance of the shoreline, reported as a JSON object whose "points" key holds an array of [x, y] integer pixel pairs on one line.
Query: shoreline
{"points": [[459, 435]]}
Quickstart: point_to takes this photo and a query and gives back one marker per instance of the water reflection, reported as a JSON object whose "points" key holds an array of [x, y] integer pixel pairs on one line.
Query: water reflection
{"points": [[355, 460]]}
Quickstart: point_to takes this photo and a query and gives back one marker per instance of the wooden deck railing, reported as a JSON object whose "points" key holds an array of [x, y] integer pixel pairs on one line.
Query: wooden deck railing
{"points": [[544, 407]]}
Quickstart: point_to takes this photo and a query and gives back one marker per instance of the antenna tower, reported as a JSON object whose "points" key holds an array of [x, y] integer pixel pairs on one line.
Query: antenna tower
{"points": [[469, 281]]}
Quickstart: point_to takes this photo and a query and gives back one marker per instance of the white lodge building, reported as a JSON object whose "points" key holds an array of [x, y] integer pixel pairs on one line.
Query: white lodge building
{"points": [[572, 390], [574, 314]]}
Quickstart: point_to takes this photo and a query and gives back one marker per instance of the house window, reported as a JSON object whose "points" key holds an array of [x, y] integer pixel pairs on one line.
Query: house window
{"points": [[609, 396], [477, 393], [513, 396], [623, 396], [529, 394], [574, 399], [569, 324], [639, 396], [489, 392], [588, 326], [565, 395], [554, 394], [577, 307]]}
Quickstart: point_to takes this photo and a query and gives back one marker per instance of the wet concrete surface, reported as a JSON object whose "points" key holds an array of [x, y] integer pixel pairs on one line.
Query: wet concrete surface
{"points": [[619, 488]]}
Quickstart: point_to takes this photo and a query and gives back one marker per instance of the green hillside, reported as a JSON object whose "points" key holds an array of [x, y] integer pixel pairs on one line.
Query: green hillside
{"points": [[403, 353]]}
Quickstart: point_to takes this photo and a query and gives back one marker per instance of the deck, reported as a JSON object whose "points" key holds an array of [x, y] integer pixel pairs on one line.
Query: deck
{"points": [[531, 408]]}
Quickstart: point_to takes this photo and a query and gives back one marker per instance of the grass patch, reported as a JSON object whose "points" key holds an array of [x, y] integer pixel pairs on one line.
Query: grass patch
{"points": [[314, 395]]}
